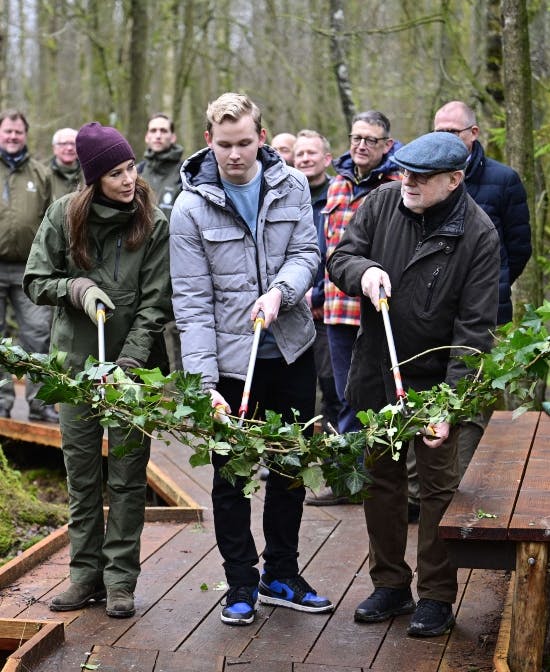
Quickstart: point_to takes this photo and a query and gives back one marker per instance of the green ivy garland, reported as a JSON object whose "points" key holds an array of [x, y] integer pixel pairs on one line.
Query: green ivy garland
{"points": [[175, 406]]}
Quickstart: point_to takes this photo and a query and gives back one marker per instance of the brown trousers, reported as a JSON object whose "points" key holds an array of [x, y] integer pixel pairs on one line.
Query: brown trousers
{"points": [[386, 515]]}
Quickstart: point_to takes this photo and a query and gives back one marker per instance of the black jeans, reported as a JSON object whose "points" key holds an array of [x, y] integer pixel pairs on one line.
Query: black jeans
{"points": [[279, 387]]}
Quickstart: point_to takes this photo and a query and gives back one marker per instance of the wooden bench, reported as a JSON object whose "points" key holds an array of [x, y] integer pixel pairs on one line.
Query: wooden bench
{"points": [[499, 518]]}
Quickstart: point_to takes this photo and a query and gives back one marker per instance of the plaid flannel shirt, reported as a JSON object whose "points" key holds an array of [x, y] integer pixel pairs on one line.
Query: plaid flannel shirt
{"points": [[344, 196]]}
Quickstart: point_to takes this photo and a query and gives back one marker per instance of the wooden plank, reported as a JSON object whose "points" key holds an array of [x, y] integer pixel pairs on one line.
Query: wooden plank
{"points": [[472, 641], [174, 460], [529, 608], [175, 514], [500, 658], [29, 641], [161, 572], [330, 573], [163, 484], [531, 519], [342, 641], [203, 661], [43, 433], [492, 480], [49, 638], [116, 658], [33, 556]]}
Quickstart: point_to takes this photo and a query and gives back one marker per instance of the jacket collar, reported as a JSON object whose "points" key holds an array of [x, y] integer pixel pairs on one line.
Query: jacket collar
{"points": [[344, 166], [446, 218]]}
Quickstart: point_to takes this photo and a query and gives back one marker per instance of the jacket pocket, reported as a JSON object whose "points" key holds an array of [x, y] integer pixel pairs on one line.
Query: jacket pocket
{"points": [[120, 297], [432, 285], [226, 253]]}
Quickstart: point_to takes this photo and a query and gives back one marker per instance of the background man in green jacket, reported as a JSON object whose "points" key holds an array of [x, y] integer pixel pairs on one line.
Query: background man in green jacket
{"points": [[26, 193], [161, 168], [64, 165]]}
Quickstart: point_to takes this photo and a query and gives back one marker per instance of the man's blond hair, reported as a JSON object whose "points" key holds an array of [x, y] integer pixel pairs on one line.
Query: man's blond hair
{"points": [[308, 133], [232, 106]]}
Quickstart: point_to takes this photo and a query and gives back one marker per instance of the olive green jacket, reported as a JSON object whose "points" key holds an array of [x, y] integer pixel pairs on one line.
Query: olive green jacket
{"points": [[137, 282], [162, 171], [64, 179], [26, 193]]}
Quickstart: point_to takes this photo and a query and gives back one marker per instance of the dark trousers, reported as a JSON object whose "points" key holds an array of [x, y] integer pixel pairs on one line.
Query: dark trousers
{"points": [[386, 514], [341, 338], [279, 387]]}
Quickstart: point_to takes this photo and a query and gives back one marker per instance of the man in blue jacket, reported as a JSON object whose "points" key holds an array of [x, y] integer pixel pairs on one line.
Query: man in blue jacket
{"points": [[498, 190]]}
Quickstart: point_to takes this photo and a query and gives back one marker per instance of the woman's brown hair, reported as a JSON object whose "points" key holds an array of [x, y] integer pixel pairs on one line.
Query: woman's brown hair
{"points": [[78, 212]]}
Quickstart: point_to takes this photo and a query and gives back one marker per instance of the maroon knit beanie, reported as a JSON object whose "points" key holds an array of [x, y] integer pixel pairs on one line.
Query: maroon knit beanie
{"points": [[100, 148]]}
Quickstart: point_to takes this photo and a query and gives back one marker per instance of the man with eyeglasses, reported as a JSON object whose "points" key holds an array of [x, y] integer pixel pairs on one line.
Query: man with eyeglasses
{"points": [[497, 189], [64, 165], [364, 167], [26, 193], [436, 255]]}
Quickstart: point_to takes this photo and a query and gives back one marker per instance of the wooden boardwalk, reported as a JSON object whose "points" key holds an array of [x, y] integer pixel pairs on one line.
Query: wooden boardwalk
{"points": [[177, 627]]}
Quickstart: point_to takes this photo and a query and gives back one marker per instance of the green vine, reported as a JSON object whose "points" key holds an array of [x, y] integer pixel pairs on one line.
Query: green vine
{"points": [[175, 406]]}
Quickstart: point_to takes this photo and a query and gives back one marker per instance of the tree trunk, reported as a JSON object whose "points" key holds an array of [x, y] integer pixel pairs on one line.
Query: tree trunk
{"points": [[139, 74], [339, 60], [519, 136]]}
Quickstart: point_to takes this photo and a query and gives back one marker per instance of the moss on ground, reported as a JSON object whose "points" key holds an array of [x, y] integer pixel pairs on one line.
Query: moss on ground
{"points": [[23, 513]]}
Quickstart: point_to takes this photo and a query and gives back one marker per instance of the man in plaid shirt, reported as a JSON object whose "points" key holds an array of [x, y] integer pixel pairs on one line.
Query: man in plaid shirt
{"points": [[360, 170]]}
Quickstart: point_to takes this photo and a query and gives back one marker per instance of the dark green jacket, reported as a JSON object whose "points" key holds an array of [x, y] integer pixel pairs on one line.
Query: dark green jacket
{"points": [[162, 172], [138, 283], [64, 179], [26, 193]]}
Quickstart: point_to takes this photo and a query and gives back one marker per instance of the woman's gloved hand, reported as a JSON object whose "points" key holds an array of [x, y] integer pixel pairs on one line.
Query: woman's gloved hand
{"points": [[84, 294]]}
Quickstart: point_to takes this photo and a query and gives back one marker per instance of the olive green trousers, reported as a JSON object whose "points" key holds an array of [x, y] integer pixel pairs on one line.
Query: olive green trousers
{"points": [[103, 550]]}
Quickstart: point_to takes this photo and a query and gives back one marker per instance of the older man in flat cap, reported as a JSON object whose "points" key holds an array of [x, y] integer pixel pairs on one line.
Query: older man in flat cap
{"points": [[436, 254]]}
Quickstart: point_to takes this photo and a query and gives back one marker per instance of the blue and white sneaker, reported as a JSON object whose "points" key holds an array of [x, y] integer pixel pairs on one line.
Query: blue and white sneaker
{"points": [[240, 605], [294, 593]]}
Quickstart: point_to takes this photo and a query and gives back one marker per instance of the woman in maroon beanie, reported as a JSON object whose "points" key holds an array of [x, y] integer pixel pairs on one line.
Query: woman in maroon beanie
{"points": [[106, 242]]}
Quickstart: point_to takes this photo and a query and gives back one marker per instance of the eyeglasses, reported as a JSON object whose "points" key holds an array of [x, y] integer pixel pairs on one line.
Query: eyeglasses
{"points": [[66, 144], [420, 178], [454, 131], [356, 140]]}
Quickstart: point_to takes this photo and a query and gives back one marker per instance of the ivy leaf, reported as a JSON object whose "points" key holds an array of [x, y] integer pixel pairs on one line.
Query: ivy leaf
{"points": [[312, 477]]}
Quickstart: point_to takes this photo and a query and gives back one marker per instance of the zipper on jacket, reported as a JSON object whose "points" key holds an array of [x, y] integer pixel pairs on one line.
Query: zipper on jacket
{"points": [[431, 288], [422, 236], [117, 257]]}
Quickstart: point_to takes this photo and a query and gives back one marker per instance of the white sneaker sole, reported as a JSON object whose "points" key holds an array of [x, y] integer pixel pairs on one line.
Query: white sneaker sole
{"points": [[281, 602]]}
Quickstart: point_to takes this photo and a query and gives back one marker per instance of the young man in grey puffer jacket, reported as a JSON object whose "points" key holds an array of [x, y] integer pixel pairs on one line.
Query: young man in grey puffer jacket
{"points": [[242, 240]]}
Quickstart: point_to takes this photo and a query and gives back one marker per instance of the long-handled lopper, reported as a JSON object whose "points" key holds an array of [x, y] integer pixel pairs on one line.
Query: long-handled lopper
{"points": [[400, 392], [259, 324], [100, 316]]}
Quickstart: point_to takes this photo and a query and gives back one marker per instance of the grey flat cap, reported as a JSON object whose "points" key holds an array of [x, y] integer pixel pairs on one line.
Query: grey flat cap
{"points": [[434, 152]]}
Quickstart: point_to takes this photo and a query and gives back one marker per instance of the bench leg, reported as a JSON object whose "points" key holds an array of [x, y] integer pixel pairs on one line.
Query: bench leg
{"points": [[529, 608]]}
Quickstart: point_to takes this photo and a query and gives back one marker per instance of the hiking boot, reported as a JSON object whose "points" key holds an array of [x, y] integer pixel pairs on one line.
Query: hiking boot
{"points": [[43, 414], [240, 605], [431, 618], [120, 603], [326, 498], [77, 596], [294, 593], [383, 604]]}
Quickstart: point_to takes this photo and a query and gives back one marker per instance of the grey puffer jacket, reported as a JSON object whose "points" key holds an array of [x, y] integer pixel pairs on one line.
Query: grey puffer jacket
{"points": [[218, 269]]}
